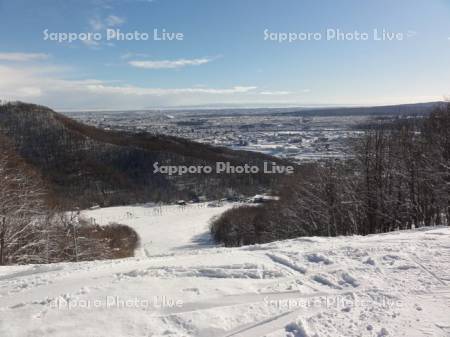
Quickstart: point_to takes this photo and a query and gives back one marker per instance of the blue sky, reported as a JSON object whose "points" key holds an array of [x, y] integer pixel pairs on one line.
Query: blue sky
{"points": [[225, 57]]}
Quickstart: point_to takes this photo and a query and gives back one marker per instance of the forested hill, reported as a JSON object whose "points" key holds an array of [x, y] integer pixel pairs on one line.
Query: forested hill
{"points": [[84, 165]]}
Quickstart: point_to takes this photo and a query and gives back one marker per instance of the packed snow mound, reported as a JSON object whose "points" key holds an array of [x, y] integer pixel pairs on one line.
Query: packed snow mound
{"points": [[180, 284]]}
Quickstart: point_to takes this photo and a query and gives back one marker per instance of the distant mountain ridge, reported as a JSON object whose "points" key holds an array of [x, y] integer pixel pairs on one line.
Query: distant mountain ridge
{"points": [[387, 110], [309, 111]]}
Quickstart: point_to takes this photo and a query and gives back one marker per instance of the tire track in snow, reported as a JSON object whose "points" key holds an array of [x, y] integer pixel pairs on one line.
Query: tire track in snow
{"points": [[415, 259], [264, 327], [248, 298]]}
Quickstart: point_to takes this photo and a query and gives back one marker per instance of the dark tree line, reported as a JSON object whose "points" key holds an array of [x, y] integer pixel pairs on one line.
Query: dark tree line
{"points": [[84, 165], [398, 178]]}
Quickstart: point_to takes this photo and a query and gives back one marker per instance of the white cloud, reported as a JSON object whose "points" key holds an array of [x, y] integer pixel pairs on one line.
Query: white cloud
{"points": [[23, 57], [141, 91], [55, 87], [114, 21], [129, 55], [50, 86], [275, 93], [90, 43], [110, 21], [169, 64], [96, 24]]}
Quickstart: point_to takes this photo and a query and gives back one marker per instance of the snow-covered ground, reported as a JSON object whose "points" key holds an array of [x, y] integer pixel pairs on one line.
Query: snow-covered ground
{"points": [[163, 229], [395, 284]]}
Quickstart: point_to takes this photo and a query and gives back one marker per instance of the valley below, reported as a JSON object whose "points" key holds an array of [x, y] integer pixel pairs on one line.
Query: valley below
{"points": [[290, 137]]}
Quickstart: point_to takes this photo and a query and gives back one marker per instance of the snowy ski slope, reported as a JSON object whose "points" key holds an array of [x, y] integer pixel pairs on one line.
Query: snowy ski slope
{"points": [[180, 284]]}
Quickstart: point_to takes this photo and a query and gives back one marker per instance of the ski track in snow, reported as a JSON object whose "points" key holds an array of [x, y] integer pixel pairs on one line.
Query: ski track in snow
{"points": [[180, 284]]}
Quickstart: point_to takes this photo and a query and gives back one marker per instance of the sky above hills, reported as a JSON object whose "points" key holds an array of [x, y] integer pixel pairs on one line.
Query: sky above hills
{"points": [[132, 54]]}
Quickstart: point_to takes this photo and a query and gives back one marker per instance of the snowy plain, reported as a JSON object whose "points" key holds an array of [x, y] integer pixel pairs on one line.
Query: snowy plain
{"points": [[181, 284]]}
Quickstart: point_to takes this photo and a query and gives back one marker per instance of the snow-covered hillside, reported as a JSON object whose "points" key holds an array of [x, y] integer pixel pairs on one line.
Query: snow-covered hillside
{"points": [[179, 284]]}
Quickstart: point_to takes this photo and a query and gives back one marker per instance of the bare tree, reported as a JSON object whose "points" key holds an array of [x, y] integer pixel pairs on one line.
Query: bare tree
{"points": [[22, 212]]}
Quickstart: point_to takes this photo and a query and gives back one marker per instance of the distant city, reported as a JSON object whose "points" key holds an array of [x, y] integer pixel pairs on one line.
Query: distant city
{"points": [[297, 138]]}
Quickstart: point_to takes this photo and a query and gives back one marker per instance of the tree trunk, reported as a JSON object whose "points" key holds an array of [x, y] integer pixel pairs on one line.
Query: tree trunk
{"points": [[2, 241]]}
